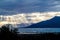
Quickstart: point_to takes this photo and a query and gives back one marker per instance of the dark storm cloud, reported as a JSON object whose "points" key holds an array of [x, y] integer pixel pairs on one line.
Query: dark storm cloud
{"points": [[27, 6]]}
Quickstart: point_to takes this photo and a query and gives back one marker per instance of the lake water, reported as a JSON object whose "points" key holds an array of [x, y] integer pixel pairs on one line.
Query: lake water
{"points": [[38, 30]]}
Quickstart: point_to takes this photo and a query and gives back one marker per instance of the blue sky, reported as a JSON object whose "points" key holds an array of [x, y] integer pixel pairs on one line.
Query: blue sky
{"points": [[28, 6]]}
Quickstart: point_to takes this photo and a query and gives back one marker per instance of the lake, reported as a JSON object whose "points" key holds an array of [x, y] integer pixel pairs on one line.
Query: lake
{"points": [[38, 30]]}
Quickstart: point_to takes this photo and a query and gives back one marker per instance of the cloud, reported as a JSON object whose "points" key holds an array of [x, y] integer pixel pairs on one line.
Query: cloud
{"points": [[29, 6], [40, 6], [54, 6], [27, 18], [8, 0]]}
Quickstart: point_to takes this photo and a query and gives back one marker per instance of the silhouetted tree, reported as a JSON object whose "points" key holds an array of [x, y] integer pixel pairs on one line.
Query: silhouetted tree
{"points": [[7, 33]]}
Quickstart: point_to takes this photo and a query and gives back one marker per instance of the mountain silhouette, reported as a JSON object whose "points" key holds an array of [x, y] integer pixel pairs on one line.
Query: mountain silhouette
{"points": [[52, 23]]}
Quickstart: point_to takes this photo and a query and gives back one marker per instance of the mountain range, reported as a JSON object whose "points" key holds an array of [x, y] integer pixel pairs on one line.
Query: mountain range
{"points": [[52, 23]]}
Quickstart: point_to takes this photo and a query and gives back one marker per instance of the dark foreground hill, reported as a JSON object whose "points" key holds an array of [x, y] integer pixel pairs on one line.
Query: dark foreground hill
{"points": [[52, 23], [44, 36]]}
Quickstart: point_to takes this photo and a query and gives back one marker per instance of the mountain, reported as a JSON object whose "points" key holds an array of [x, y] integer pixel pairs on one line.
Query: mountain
{"points": [[52, 23]]}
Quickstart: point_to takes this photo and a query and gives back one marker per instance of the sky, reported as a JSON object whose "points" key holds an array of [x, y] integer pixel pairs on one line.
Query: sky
{"points": [[8, 7]]}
